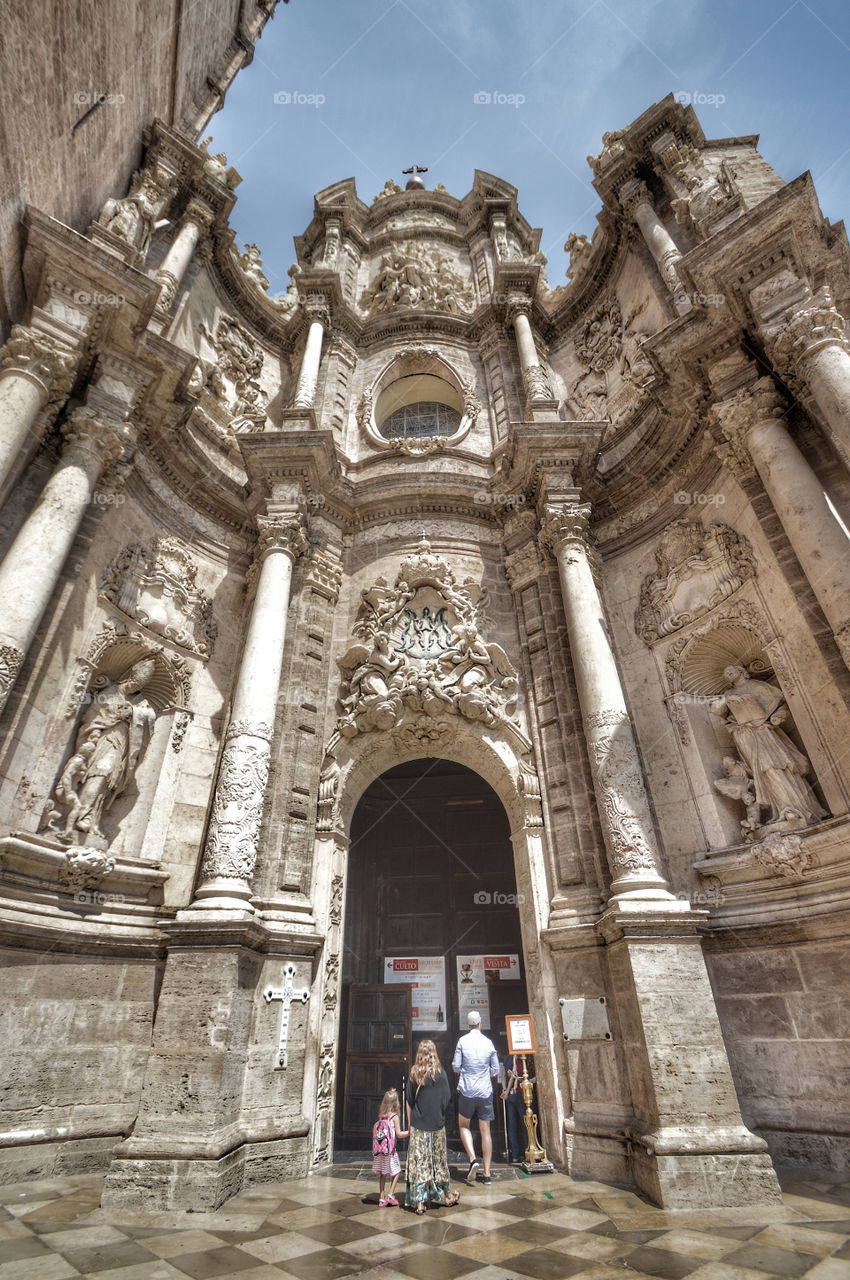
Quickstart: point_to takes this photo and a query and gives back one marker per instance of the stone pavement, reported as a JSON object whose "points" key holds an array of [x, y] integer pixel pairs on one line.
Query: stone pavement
{"points": [[329, 1226]]}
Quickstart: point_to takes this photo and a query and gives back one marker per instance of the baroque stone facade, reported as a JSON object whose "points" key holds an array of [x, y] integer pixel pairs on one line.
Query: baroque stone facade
{"points": [[426, 507]]}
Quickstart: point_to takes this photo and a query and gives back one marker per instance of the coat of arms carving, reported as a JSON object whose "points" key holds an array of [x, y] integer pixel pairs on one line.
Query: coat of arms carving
{"points": [[698, 568]]}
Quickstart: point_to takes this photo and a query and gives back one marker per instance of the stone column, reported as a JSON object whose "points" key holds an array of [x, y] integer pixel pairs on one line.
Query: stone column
{"points": [[534, 376], [753, 423], [35, 371], [305, 391], [197, 221], [234, 831], [812, 346], [34, 561], [617, 775], [637, 203]]}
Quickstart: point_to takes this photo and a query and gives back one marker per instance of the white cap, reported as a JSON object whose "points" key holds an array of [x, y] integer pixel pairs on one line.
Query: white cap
{"points": [[473, 1018]]}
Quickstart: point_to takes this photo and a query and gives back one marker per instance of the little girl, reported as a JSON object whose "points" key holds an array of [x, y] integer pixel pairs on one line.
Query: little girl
{"points": [[385, 1134]]}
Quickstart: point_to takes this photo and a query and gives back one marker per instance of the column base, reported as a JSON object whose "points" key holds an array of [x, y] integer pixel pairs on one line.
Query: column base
{"points": [[706, 1179], [201, 1184], [223, 895]]}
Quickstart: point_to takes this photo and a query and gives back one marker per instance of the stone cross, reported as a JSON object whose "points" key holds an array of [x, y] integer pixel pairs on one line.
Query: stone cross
{"points": [[285, 994], [416, 168]]}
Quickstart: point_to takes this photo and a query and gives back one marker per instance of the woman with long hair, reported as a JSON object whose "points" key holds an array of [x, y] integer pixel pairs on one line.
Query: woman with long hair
{"points": [[427, 1096]]}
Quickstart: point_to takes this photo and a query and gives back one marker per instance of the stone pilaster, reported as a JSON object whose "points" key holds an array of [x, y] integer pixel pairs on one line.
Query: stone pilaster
{"points": [[753, 421], [636, 203], [234, 831], [34, 561]]}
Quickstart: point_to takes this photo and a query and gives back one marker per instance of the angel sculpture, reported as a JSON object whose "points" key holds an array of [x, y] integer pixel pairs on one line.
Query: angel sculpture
{"points": [[371, 699], [472, 670]]}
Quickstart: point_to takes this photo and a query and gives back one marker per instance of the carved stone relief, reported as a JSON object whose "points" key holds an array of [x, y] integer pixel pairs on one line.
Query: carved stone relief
{"points": [[420, 653], [784, 855], [607, 345], [155, 585], [417, 276], [698, 569], [233, 377], [131, 219], [251, 265]]}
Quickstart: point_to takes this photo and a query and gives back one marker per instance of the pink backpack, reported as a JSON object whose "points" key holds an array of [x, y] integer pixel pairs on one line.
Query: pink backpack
{"points": [[383, 1137]]}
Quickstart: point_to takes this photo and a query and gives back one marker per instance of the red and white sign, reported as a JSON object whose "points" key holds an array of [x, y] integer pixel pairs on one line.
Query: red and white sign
{"points": [[473, 975]]}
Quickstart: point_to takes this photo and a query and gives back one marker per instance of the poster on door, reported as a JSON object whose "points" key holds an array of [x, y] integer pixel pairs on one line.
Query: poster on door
{"points": [[427, 977], [474, 974]]}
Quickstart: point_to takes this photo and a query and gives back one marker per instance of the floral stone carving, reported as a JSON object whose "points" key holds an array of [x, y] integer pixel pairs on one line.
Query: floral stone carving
{"points": [[417, 276], [770, 773], [112, 736], [234, 376], [784, 855], [698, 568], [420, 655], [156, 586]]}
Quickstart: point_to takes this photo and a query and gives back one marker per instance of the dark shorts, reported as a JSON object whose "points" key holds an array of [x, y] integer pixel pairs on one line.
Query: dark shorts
{"points": [[470, 1108]]}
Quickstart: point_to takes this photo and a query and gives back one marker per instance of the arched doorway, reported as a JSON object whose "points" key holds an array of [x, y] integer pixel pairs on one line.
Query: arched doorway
{"points": [[430, 879]]}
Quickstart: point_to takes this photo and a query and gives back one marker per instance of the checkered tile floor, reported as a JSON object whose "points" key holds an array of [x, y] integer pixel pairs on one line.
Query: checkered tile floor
{"points": [[323, 1228]]}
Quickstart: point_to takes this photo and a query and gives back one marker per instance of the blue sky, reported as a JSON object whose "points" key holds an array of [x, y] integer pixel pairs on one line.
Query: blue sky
{"points": [[375, 85]]}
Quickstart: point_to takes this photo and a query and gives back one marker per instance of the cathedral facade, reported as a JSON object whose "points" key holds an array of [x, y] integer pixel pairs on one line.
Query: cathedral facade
{"points": [[428, 627]]}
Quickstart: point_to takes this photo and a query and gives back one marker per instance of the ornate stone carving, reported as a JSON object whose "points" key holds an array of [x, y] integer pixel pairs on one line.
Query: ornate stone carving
{"points": [[328, 794], [252, 267], [620, 793], [112, 736], [131, 219], [41, 358], [599, 341], [390, 188], [323, 573], [698, 568], [281, 533], [566, 525], [698, 194], [526, 565], [632, 195], [93, 432], [746, 409], [578, 247], [806, 331], [770, 773], [537, 383], [417, 276], [420, 652], [234, 831], [333, 244], [612, 149], [234, 377], [784, 855], [11, 661], [85, 869], [156, 586]]}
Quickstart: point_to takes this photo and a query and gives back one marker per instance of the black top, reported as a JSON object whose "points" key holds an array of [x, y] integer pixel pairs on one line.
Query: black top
{"points": [[428, 1106]]}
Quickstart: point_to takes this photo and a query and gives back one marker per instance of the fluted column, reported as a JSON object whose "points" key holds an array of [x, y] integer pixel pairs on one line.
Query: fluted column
{"points": [[812, 346], [197, 221], [534, 376], [308, 377], [617, 775], [34, 371], [34, 561], [637, 203], [234, 831], [753, 421]]}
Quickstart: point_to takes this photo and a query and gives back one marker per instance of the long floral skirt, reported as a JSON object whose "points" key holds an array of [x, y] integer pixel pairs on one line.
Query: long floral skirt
{"points": [[427, 1170]]}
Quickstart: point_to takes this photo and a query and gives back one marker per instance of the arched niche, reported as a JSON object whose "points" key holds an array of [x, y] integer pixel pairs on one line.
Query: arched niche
{"points": [[418, 373]]}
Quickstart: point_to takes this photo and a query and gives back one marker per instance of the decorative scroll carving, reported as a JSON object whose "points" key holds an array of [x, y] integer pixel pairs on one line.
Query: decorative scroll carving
{"points": [[420, 652], [599, 341], [234, 376], [85, 869], [281, 533], [698, 569], [156, 586], [112, 736], [784, 855], [567, 526], [770, 773], [416, 275], [11, 661], [390, 188]]}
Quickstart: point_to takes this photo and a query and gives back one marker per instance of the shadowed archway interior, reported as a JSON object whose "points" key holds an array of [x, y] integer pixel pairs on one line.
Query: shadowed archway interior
{"points": [[430, 874]]}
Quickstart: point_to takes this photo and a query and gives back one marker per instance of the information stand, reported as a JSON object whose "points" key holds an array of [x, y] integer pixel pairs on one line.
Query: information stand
{"points": [[520, 1044]]}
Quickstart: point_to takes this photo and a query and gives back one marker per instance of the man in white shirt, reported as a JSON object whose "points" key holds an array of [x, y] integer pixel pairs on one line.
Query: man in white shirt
{"points": [[477, 1064]]}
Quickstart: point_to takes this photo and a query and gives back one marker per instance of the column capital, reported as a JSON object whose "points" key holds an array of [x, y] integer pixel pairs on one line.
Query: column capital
{"points": [[94, 433], [748, 407], [566, 526], [632, 195], [199, 213], [806, 331], [518, 304], [40, 358], [317, 309], [281, 533]]}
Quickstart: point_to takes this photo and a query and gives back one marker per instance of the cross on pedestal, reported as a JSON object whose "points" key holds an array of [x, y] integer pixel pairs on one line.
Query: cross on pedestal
{"points": [[285, 994]]}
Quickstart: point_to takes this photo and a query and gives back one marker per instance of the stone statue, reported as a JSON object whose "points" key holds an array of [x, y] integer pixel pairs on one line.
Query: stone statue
{"points": [[578, 247], [133, 217], [753, 712], [110, 740], [390, 188], [252, 267]]}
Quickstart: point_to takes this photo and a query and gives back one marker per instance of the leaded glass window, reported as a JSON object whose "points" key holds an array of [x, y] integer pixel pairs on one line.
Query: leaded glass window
{"points": [[425, 418]]}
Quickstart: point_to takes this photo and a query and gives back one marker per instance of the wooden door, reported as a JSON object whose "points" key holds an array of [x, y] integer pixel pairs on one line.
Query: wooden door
{"points": [[377, 1055]]}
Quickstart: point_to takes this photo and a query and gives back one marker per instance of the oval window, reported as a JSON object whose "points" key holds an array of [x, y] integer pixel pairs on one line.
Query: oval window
{"points": [[418, 406]]}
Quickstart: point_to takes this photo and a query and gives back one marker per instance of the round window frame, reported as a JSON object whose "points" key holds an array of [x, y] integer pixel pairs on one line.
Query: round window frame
{"points": [[421, 361]]}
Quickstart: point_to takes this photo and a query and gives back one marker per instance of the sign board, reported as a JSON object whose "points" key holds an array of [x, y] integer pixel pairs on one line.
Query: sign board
{"points": [[520, 1033], [474, 974], [427, 978]]}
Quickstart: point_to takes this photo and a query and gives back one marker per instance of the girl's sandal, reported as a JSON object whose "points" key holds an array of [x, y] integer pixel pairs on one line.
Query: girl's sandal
{"points": [[420, 1209], [450, 1200]]}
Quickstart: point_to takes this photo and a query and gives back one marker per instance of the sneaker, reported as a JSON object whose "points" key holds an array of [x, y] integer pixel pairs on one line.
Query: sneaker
{"points": [[485, 1178], [473, 1169]]}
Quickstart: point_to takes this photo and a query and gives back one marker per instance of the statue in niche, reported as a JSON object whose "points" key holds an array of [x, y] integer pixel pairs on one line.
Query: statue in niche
{"points": [[753, 711], [110, 741], [133, 217]]}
